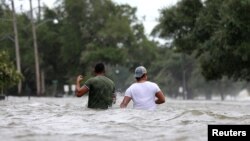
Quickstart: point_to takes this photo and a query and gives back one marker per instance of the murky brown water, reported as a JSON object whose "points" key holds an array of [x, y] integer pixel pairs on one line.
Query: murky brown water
{"points": [[68, 119]]}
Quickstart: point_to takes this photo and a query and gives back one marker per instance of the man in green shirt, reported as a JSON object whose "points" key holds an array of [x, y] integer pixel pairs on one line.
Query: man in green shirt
{"points": [[100, 88]]}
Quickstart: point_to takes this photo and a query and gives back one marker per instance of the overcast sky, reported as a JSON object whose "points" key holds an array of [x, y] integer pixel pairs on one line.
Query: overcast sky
{"points": [[147, 10]]}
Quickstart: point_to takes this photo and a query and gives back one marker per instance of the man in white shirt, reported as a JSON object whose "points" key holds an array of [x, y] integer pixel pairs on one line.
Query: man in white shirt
{"points": [[144, 94]]}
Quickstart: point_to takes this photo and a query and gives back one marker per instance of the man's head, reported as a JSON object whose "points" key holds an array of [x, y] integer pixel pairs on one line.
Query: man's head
{"points": [[99, 68], [140, 72]]}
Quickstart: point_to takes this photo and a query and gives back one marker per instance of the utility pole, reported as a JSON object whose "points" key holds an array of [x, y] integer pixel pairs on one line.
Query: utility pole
{"points": [[18, 64], [184, 85], [39, 11], [42, 76], [38, 89]]}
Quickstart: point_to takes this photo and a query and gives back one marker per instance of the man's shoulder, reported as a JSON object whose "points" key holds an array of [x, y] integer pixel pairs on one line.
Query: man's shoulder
{"points": [[133, 85], [105, 79], [108, 79], [150, 82]]}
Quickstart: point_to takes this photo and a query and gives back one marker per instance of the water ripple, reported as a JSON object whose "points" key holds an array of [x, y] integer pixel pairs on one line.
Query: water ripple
{"points": [[47, 119]]}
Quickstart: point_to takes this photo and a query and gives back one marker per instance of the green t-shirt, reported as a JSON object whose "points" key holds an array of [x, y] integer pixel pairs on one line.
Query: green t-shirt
{"points": [[101, 92]]}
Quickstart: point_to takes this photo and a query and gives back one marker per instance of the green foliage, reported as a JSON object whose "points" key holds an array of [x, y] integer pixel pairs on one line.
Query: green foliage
{"points": [[216, 31], [178, 23], [8, 74], [97, 26], [109, 55], [174, 71], [217, 34], [87, 32], [223, 32], [6, 33]]}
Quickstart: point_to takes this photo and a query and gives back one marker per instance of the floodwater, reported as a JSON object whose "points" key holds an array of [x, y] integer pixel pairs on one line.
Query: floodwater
{"points": [[68, 119]]}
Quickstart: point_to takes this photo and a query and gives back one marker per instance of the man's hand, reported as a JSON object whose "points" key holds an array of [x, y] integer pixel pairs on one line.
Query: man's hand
{"points": [[80, 91], [79, 78]]}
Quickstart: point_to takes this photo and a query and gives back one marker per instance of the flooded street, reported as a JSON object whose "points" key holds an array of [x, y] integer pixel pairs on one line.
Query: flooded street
{"points": [[68, 119]]}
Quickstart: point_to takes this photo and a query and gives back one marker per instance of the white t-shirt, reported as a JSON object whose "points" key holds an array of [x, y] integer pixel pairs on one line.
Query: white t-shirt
{"points": [[143, 95]]}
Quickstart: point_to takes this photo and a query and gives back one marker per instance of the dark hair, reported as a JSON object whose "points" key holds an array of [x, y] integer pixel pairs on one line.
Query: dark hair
{"points": [[99, 68], [139, 78]]}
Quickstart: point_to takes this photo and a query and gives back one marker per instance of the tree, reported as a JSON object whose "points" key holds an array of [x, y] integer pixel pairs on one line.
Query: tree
{"points": [[177, 23], [102, 31], [223, 34], [173, 71], [96, 28], [9, 76], [217, 31], [87, 32]]}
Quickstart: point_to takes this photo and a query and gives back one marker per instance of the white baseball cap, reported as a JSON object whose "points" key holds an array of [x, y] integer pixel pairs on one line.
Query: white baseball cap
{"points": [[139, 71]]}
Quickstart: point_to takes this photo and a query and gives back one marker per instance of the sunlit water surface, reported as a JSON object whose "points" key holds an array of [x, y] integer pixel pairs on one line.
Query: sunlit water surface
{"points": [[68, 119]]}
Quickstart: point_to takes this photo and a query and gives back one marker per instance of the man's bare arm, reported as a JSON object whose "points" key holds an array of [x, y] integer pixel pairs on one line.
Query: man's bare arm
{"points": [[125, 102], [80, 91], [160, 97]]}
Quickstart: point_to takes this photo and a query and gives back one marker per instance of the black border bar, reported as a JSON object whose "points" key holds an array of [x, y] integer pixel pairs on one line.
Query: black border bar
{"points": [[235, 132]]}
